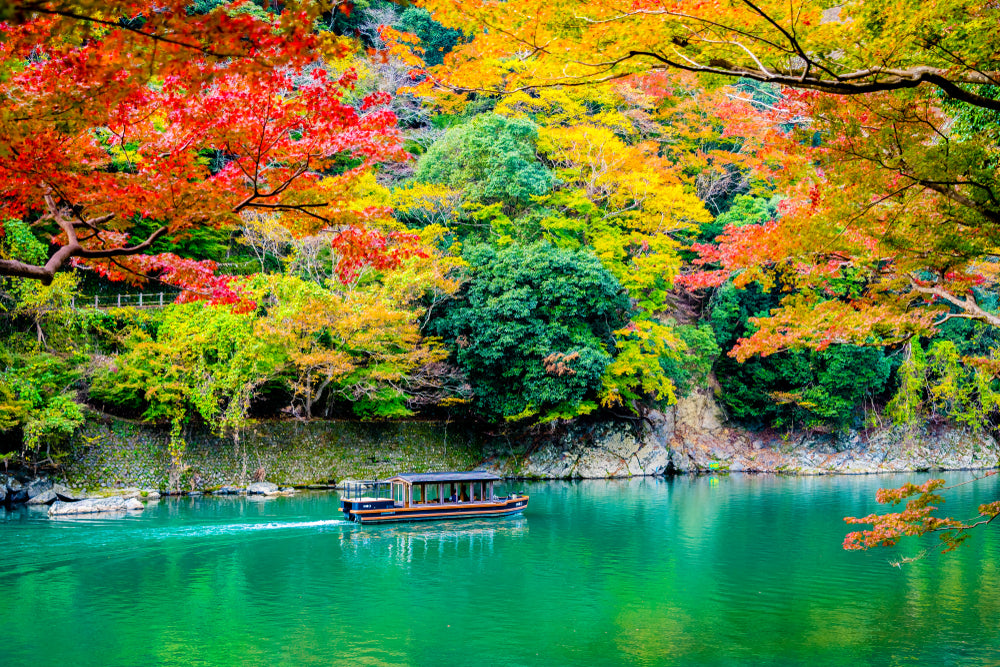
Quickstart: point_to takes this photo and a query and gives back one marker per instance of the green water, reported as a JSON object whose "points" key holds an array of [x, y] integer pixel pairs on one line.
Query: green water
{"points": [[689, 571]]}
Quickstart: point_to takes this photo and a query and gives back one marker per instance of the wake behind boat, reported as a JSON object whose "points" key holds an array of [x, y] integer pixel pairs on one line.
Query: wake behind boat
{"points": [[430, 495]]}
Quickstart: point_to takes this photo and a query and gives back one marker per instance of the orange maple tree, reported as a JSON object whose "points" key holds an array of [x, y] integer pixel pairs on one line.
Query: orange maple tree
{"points": [[917, 519], [115, 114]]}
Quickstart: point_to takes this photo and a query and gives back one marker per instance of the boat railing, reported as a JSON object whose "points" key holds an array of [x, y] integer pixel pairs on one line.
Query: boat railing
{"points": [[373, 489]]}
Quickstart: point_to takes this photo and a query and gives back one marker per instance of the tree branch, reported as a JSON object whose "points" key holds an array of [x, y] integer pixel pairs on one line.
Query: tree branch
{"points": [[968, 304]]}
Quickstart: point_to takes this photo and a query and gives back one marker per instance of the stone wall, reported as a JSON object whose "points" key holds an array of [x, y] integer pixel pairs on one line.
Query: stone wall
{"points": [[117, 453]]}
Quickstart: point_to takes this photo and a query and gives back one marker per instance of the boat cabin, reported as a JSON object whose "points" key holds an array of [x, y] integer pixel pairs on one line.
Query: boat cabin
{"points": [[431, 495]]}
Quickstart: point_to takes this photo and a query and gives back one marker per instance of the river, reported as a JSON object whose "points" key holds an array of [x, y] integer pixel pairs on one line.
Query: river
{"points": [[737, 569]]}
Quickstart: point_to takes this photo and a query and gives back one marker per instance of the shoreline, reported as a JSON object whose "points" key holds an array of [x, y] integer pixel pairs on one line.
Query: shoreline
{"points": [[691, 437], [267, 491]]}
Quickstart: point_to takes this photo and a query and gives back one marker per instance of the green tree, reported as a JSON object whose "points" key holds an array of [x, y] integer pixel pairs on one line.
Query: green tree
{"points": [[491, 159], [38, 405], [534, 328], [435, 39], [812, 388]]}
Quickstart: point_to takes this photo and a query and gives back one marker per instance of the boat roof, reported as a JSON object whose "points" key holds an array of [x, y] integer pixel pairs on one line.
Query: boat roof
{"points": [[468, 476]]}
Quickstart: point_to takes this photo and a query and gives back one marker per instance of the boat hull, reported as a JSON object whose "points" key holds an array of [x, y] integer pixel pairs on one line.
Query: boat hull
{"points": [[432, 512]]}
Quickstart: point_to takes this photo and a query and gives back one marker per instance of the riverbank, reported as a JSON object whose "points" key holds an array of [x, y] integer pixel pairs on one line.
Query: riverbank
{"points": [[690, 437]]}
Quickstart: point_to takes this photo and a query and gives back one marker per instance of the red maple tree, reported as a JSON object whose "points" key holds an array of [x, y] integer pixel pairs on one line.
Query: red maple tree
{"points": [[179, 119]]}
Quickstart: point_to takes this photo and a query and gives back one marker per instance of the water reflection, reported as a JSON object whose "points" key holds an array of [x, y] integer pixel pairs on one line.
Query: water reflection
{"points": [[406, 542]]}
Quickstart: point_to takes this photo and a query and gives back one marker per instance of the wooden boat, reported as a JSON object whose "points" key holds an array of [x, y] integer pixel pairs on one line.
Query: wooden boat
{"points": [[429, 495]]}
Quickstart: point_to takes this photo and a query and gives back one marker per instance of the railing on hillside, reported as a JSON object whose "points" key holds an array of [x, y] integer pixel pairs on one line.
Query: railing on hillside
{"points": [[137, 300]]}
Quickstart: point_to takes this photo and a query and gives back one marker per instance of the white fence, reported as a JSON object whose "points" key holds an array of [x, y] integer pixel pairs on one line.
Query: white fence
{"points": [[137, 300]]}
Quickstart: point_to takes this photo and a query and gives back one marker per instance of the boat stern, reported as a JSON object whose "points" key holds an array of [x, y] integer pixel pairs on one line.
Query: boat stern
{"points": [[350, 506]]}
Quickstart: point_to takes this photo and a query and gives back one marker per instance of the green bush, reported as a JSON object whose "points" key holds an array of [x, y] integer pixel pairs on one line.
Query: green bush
{"points": [[694, 364]]}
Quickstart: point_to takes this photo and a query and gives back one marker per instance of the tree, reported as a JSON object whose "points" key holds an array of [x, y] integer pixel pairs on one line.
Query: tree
{"points": [[855, 48], [359, 346], [175, 117], [811, 388], [435, 39], [534, 328], [492, 159]]}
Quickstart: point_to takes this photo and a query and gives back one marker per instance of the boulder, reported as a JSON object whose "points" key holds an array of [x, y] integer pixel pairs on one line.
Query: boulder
{"points": [[95, 506], [43, 498], [262, 488], [67, 494], [195, 494], [13, 485], [3, 493], [37, 487], [133, 505], [149, 494]]}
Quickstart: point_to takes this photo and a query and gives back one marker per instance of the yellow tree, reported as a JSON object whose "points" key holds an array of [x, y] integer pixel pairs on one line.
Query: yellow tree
{"points": [[851, 48]]}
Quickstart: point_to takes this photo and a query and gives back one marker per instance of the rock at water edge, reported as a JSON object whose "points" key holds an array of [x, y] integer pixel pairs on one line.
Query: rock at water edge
{"points": [[67, 494], [37, 487], [92, 506], [17, 497], [262, 488], [43, 498]]}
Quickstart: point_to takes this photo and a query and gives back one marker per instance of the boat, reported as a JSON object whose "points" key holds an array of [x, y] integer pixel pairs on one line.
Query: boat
{"points": [[427, 496]]}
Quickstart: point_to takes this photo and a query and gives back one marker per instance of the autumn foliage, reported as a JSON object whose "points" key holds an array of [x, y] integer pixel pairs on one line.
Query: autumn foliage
{"points": [[599, 205], [917, 519], [209, 116]]}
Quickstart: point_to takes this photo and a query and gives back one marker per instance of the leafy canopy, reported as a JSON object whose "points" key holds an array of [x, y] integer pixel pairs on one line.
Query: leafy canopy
{"points": [[491, 158], [533, 328]]}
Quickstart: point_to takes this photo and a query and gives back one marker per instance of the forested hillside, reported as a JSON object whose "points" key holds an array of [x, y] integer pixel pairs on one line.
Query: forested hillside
{"points": [[379, 211]]}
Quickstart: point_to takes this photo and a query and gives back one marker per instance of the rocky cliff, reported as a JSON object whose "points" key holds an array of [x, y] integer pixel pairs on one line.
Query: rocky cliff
{"points": [[693, 436]]}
